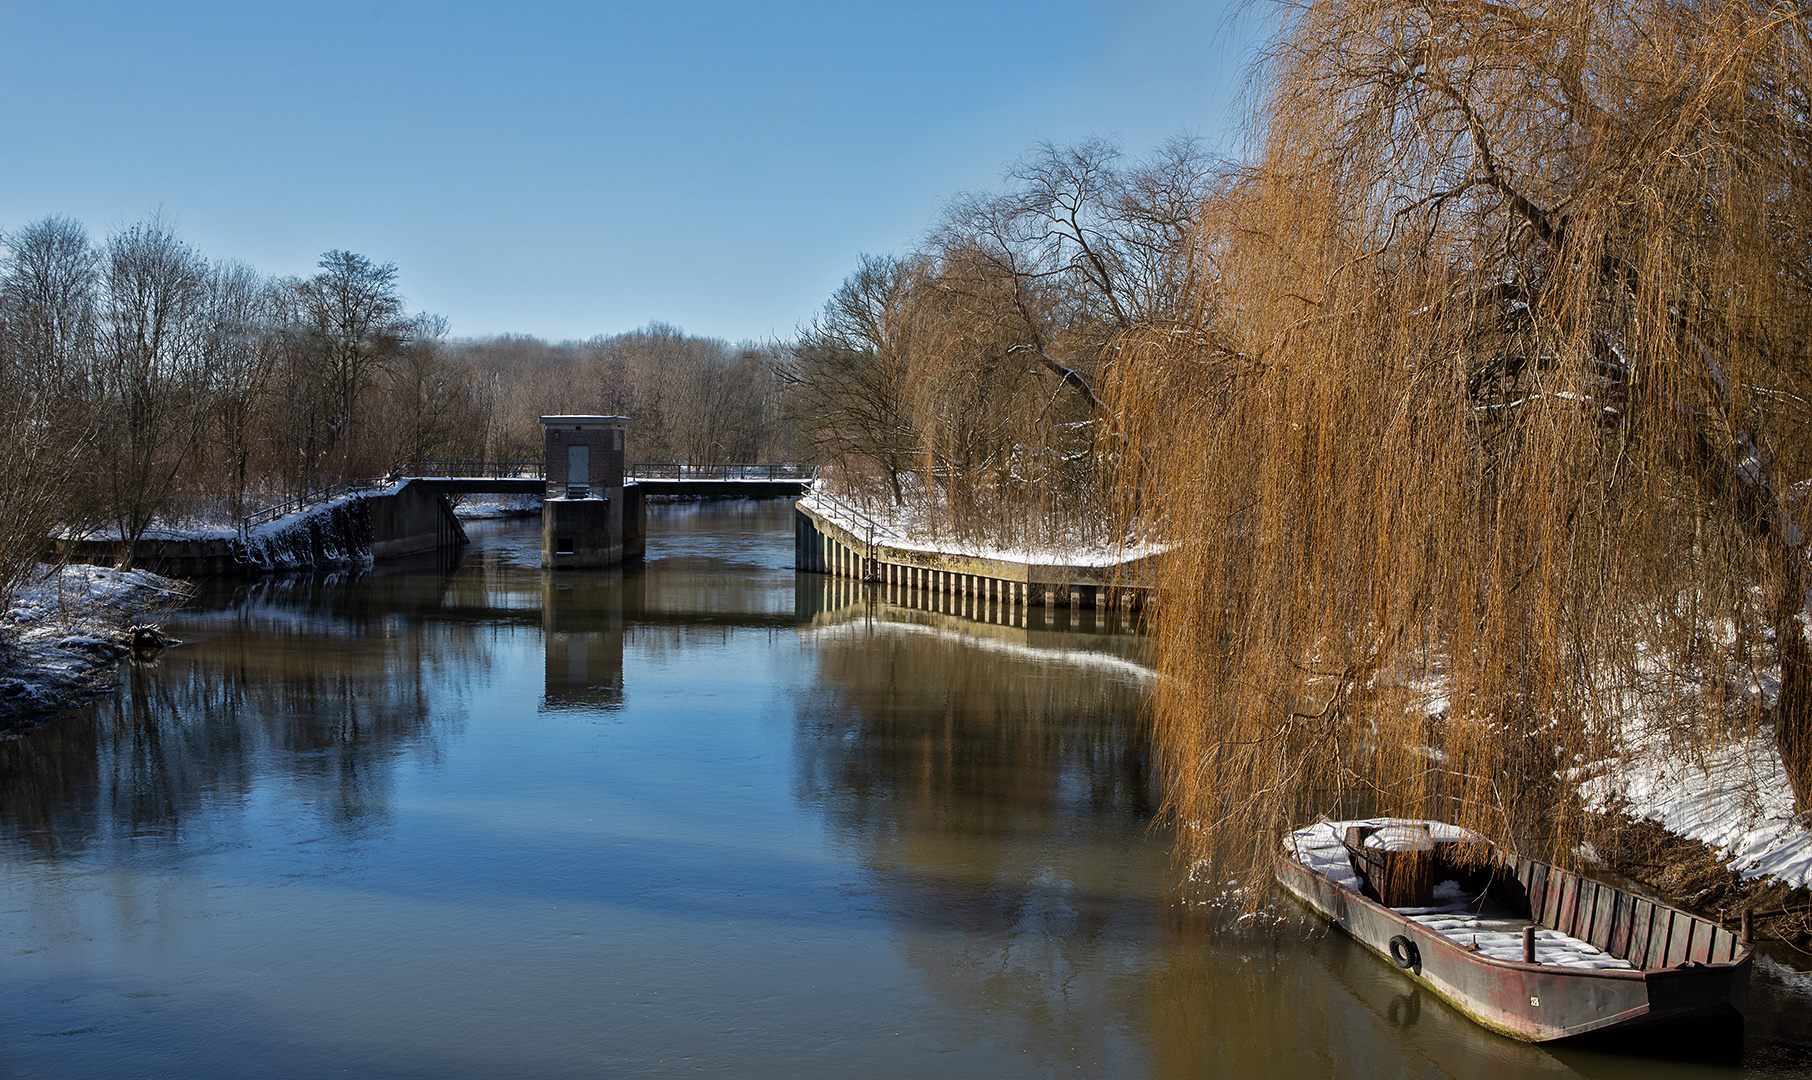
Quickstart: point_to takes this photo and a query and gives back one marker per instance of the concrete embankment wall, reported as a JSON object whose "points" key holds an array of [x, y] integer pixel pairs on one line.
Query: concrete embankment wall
{"points": [[825, 546], [410, 520]]}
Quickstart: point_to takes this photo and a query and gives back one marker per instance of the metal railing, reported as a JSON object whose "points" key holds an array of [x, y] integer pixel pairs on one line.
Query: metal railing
{"points": [[305, 500], [680, 470], [874, 528], [635, 470], [484, 470]]}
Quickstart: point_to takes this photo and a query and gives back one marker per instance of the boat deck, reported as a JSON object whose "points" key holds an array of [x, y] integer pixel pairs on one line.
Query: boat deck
{"points": [[1496, 930]]}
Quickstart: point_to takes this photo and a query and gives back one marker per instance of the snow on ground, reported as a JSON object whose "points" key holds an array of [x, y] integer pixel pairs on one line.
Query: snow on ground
{"points": [[1734, 798], [901, 528], [65, 629]]}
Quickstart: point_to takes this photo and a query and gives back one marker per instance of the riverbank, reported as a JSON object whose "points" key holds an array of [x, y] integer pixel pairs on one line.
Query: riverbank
{"points": [[833, 537], [1711, 829], [65, 631]]}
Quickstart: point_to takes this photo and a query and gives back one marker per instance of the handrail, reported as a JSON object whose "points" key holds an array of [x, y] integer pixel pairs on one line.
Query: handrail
{"points": [[305, 500], [682, 470], [874, 527], [635, 470], [486, 470]]}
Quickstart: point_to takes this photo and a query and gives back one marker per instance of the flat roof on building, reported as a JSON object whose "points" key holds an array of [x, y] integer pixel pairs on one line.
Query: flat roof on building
{"points": [[585, 421]]}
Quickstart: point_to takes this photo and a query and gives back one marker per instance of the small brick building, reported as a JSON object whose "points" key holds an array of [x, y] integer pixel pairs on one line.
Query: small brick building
{"points": [[589, 518], [584, 452]]}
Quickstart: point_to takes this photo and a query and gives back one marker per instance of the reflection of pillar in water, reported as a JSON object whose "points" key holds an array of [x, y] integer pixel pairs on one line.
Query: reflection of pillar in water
{"points": [[582, 632]]}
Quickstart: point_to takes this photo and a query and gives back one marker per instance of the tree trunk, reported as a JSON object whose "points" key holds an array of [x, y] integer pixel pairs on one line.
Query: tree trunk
{"points": [[1793, 710]]}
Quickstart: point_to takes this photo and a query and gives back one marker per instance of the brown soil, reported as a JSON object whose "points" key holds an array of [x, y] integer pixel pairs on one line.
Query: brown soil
{"points": [[1689, 875]]}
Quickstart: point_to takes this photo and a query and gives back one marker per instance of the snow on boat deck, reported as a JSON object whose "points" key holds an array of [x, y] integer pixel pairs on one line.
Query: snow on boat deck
{"points": [[1455, 915]]}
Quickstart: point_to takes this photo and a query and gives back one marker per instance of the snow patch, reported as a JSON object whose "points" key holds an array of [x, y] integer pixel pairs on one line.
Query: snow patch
{"points": [[66, 625], [902, 528], [1735, 799]]}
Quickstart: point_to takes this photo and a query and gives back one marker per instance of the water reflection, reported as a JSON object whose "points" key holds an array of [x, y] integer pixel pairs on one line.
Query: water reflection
{"points": [[821, 600], [306, 677], [704, 816], [582, 627], [998, 801]]}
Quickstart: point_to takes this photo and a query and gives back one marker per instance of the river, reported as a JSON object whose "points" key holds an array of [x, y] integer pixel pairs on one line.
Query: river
{"points": [[705, 816]]}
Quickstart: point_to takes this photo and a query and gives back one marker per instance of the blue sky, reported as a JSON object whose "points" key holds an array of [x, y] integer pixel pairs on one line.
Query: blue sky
{"points": [[566, 170]]}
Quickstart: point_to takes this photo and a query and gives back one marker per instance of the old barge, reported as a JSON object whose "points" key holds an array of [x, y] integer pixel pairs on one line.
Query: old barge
{"points": [[1524, 948]]}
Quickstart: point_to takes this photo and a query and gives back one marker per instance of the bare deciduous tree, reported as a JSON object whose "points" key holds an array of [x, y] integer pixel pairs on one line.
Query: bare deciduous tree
{"points": [[359, 326], [243, 345], [47, 335], [851, 373], [156, 374]]}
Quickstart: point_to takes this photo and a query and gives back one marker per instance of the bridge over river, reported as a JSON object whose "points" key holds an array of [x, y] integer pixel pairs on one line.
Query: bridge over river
{"points": [[411, 511], [720, 480]]}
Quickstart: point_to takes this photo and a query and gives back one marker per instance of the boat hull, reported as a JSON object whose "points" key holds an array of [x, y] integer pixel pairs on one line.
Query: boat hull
{"points": [[1531, 1002]]}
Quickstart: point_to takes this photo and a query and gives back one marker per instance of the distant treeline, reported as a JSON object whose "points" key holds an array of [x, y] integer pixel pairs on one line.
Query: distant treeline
{"points": [[688, 398], [145, 385]]}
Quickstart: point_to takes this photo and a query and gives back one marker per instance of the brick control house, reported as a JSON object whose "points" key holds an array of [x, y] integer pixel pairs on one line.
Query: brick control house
{"points": [[584, 452], [587, 520]]}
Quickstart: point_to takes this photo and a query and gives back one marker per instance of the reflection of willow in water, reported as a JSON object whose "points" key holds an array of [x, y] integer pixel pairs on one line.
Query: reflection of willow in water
{"points": [[318, 697], [999, 805]]}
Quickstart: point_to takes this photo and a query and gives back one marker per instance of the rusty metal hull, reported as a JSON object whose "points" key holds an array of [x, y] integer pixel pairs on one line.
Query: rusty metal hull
{"points": [[1538, 1002]]}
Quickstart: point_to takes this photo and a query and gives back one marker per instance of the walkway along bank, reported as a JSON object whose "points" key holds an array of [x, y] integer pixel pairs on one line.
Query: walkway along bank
{"points": [[832, 537]]}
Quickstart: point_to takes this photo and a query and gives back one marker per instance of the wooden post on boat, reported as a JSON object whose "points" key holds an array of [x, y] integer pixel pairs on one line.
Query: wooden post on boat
{"points": [[1749, 926], [1529, 945]]}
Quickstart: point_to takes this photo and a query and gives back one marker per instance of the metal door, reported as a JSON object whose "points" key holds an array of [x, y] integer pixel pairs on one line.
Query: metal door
{"points": [[578, 466]]}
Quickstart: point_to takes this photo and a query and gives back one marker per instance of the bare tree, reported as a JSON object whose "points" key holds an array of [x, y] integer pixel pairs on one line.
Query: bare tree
{"points": [[156, 377], [359, 326], [242, 346], [47, 335], [851, 375], [434, 407]]}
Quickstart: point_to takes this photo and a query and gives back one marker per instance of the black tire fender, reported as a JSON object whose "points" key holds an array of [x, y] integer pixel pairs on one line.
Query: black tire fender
{"points": [[1405, 953]]}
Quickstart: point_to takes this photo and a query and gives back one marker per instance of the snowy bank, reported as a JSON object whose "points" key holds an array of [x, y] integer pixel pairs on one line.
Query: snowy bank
{"points": [[62, 635], [1736, 799], [902, 529]]}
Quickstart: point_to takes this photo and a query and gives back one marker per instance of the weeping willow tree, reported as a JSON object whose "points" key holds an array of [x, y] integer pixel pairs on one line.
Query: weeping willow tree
{"points": [[1482, 452]]}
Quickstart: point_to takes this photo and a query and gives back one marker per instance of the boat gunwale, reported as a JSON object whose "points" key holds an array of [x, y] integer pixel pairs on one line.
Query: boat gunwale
{"points": [[1442, 940], [1746, 955]]}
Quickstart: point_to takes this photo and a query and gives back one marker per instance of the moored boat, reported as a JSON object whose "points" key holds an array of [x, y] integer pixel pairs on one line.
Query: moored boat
{"points": [[1524, 948]]}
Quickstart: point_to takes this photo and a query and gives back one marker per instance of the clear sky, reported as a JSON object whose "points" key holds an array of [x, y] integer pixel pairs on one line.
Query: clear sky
{"points": [[566, 170]]}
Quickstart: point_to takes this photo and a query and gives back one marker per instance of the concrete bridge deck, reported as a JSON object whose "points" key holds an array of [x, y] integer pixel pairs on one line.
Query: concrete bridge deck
{"points": [[711, 480]]}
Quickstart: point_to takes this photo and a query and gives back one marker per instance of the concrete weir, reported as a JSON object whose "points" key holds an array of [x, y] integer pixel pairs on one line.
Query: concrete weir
{"points": [[825, 546]]}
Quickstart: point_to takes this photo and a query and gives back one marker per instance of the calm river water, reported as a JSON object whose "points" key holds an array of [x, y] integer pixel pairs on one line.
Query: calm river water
{"points": [[703, 817]]}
